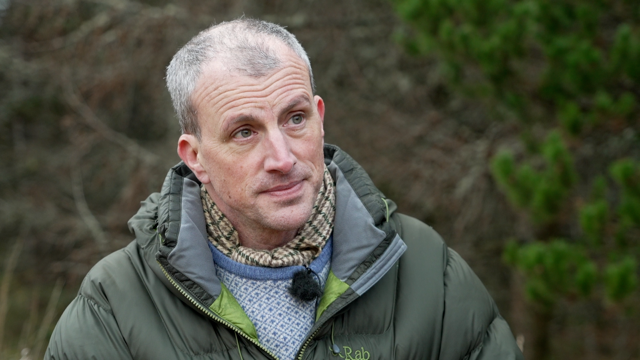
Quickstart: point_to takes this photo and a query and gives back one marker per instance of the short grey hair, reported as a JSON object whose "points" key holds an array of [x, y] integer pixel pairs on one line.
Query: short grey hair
{"points": [[244, 45]]}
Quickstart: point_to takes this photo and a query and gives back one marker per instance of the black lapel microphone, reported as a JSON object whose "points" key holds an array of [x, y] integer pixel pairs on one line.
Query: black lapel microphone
{"points": [[304, 285]]}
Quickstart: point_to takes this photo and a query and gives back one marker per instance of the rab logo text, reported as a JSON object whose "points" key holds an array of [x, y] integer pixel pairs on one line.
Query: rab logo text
{"points": [[349, 354]]}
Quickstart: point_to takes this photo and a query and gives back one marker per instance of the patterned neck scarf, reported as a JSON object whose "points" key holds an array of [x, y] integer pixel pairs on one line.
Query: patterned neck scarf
{"points": [[305, 246]]}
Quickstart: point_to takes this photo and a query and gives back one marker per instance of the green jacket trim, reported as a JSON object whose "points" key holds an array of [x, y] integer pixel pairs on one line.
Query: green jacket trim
{"points": [[228, 308], [332, 290]]}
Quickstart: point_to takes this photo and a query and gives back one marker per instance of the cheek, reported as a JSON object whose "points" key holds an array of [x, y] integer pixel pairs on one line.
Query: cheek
{"points": [[234, 176], [312, 143]]}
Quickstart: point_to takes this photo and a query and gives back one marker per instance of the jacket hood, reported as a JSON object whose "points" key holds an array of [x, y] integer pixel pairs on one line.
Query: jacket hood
{"points": [[170, 228]]}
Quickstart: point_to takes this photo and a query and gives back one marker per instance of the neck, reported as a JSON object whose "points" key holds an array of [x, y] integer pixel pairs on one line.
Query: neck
{"points": [[261, 239]]}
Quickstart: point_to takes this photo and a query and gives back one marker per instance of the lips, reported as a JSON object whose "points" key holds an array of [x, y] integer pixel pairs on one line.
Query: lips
{"points": [[285, 189]]}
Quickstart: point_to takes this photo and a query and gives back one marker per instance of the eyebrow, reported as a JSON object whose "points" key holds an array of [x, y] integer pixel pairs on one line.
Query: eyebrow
{"points": [[300, 99], [295, 102]]}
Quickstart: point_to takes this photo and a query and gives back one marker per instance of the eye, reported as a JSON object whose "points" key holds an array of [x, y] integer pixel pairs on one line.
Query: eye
{"points": [[244, 133], [297, 119]]}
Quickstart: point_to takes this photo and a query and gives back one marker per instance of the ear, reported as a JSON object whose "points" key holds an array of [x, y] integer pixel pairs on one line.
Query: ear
{"points": [[320, 108], [188, 150]]}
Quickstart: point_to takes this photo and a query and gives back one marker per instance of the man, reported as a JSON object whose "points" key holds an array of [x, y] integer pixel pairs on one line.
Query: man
{"points": [[266, 243]]}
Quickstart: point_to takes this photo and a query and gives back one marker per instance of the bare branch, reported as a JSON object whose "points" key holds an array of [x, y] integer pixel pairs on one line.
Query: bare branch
{"points": [[31, 323], [96, 124], [101, 20], [520, 342], [48, 318], [83, 210], [9, 267]]}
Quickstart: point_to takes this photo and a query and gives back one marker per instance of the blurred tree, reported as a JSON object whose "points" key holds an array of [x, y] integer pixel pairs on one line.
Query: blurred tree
{"points": [[569, 70], [83, 127]]}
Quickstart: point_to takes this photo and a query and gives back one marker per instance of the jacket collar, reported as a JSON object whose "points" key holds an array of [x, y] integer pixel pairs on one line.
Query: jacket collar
{"points": [[365, 243]]}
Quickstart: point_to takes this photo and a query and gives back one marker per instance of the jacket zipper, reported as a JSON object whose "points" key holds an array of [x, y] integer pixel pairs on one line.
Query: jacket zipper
{"points": [[306, 343], [211, 314]]}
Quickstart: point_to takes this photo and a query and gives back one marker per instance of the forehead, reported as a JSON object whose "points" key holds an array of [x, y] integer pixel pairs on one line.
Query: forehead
{"points": [[222, 90]]}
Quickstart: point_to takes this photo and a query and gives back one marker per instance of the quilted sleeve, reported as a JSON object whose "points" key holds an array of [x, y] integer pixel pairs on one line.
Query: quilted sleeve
{"points": [[472, 325], [87, 330]]}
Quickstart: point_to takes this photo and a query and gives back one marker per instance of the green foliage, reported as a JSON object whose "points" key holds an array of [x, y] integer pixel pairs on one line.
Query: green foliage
{"points": [[542, 192], [627, 174], [557, 51], [593, 220], [570, 68], [594, 216], [586, 276], [553, 269], [621, 279]]}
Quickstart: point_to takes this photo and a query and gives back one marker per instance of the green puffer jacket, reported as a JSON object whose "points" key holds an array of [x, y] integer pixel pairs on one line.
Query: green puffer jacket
{"points": [[159, 298]]}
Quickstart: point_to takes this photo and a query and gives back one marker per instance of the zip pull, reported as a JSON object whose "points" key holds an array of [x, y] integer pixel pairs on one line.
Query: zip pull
{"points": [[386, 205], [335, 349]]}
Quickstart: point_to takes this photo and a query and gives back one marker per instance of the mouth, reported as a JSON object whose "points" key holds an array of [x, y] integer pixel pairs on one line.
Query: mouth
{"points": [[285, 190]]}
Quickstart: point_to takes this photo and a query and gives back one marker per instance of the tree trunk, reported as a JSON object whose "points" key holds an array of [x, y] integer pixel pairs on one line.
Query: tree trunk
{"points": [[539, 345]]}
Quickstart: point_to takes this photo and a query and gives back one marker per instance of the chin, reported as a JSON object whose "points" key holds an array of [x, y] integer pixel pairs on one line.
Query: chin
{"points": [[291, 219]]}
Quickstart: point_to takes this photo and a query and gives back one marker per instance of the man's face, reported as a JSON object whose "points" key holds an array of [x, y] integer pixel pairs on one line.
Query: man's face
{"points": [[261, 151]]}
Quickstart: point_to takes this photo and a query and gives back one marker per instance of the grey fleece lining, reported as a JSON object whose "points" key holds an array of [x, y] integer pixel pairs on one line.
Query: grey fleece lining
{"points": [[380, 267], [192, 256], [355, 235]]}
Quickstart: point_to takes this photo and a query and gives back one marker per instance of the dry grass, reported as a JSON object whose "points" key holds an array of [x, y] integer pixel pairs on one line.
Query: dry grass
{"points": [[9, 268]]}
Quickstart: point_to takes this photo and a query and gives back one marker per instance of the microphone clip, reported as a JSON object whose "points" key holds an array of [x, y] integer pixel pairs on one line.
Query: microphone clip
{"points": [[305, 285]]}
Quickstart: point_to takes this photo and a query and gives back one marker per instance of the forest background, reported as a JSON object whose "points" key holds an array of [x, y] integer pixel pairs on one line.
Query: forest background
{"points": [[509, 126]]}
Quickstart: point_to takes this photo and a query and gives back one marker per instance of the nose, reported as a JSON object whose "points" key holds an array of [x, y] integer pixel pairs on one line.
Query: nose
{"points": [[278, 155]]}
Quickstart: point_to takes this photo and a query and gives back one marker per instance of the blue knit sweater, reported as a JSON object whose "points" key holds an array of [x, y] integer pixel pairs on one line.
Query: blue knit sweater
{"points": [[281, 321]]}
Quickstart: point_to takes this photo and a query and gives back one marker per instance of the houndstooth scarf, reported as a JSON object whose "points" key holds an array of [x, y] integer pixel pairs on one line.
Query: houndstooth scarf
{"points": [[304, 248]]}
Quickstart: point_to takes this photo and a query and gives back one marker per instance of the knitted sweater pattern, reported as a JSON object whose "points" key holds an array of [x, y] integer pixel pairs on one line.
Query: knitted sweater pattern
{"points": [[282, 322]]}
